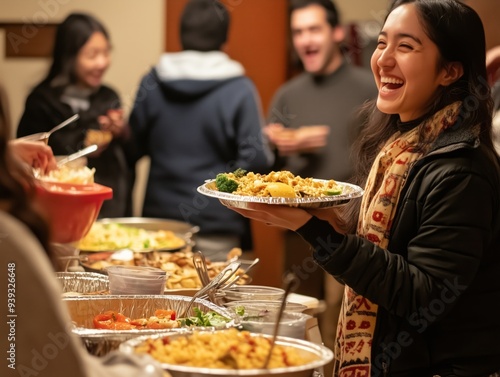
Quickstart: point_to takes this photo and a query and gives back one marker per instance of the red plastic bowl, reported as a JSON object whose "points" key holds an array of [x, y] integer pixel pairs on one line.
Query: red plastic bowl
{"points": [[71, 209]]}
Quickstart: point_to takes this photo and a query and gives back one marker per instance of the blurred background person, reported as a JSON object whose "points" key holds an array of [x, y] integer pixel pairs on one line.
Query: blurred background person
{"points": [[493, 68], [312, 125], [196, 114], [312, 116], [81, 56]]}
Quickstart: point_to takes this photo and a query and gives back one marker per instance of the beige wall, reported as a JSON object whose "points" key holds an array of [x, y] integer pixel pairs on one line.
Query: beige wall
{"points": [[362, 10]]}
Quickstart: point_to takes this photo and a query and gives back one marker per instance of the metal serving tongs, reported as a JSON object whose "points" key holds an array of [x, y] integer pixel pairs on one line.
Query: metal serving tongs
{"points": [[200, 264], [220, 278], [235, 280]]}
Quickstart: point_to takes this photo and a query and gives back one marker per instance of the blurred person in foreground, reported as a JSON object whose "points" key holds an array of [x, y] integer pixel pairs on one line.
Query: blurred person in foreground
{"points": [[196, 115], [493, 68], [34, 155], [39, 341], [421, 261], [80, 58], [313, 125]]}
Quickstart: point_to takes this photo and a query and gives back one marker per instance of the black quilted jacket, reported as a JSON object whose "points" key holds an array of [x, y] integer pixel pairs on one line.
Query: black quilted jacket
{"points": [[438, 283]]}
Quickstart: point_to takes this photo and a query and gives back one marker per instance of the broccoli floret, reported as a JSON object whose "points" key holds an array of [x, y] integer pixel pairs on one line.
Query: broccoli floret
{"points": [[238, 173], [225, 184]]}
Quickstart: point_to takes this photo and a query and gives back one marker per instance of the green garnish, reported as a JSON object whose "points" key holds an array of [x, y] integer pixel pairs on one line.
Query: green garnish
{"points": [[240, 310], [333, 192], [238, 173], [211, 319], [224, 184]]}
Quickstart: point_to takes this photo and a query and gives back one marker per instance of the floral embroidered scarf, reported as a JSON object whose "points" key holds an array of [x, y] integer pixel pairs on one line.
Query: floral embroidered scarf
{"points": [[383, 186]]}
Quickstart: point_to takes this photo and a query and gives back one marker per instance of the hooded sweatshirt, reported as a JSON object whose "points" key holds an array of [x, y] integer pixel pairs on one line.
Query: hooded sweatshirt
{"points": [[197, 115]]}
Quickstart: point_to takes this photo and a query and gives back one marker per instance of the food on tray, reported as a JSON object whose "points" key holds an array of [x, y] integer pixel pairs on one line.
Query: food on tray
{"points": [[275, 184], [111, 320], [201, 319], [115, 236], [96, 293], [162, 319], [98, 137], [65, 174], [224, 349], [178, 265]]}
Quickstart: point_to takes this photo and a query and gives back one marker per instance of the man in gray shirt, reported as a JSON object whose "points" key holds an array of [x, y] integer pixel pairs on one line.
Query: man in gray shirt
{"points": [[312, 125]]}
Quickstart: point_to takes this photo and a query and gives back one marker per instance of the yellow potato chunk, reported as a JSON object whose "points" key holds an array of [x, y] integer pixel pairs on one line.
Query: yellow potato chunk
{"points": [[282, 190]]}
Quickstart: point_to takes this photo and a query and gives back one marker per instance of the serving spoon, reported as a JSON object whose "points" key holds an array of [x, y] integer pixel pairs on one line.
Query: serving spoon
{"points": [[74, 156], [289, 281], [44, 136]]}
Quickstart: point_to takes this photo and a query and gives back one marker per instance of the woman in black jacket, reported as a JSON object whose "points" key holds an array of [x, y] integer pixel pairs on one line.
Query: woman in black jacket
{"points": [[81, 57], [420, 255]]}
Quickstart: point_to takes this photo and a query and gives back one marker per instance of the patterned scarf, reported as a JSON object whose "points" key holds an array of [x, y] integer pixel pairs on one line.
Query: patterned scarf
{"points": [[387, 175]]}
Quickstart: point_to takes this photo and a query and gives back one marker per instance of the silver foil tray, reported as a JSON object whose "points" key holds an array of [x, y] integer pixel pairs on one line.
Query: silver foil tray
{"points": [[82, 283], [99, 342], [313, 368]]}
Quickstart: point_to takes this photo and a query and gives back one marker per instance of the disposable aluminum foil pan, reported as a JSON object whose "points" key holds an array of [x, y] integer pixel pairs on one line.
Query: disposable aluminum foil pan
{"points": [[313, 368], [349, 191], [99, 342], [83, 283]]}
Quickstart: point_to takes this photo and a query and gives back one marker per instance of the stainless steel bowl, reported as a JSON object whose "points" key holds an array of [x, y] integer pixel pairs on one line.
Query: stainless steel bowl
{"points": [[323, 354]]}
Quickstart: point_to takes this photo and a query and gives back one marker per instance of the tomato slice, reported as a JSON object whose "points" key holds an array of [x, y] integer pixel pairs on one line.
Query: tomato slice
{"points": [[165, 313], [112, 320], [123, 326]]}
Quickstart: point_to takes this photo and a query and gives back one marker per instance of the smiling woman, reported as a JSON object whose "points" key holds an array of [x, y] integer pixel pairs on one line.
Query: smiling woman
{"points": [[407, 66], [419, 254], [74, 84]]}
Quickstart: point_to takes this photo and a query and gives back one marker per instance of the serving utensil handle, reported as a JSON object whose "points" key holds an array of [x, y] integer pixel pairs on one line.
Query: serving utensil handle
{"points": [[289, 282]]}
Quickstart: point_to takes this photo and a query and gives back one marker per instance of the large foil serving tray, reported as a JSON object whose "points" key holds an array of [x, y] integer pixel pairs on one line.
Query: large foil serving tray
{"points": [[99, 342]]}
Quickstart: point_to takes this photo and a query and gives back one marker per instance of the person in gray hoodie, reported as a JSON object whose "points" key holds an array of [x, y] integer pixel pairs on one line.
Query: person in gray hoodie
{"points": [[195, 115]]}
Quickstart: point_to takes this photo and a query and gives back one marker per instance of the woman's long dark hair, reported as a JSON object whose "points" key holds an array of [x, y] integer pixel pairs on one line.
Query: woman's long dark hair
{"points": [[458, 32], [15, 191], [71, 35]]}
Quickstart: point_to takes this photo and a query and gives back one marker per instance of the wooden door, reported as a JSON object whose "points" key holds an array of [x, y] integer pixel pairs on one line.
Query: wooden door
{"points": [[258, 40]]}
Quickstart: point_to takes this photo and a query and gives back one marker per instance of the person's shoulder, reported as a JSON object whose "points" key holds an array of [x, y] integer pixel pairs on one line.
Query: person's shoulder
{"points": [[107, 90], [240, 83], [42, 89], [106, 93], [25, 239]]}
